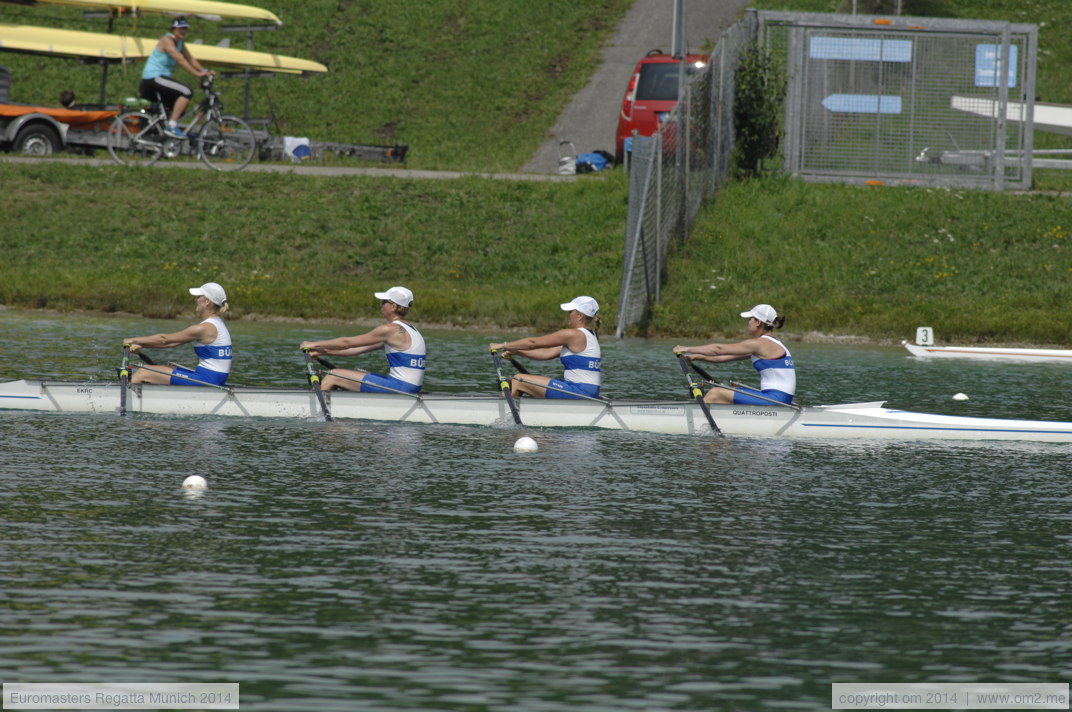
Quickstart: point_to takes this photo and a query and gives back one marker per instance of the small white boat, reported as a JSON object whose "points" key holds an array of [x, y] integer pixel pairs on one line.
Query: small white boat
{"points": [[677, 417], [925, 348]]}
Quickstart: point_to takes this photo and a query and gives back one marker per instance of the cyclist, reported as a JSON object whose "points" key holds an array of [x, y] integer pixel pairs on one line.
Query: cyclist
{"points": [[156, 79]]}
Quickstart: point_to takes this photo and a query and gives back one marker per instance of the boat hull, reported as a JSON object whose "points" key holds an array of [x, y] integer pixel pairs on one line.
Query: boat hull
{"points": [[851, 420], [992, 353]]}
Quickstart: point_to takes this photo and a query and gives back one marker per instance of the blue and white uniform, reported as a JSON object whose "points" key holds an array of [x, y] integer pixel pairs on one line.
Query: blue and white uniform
{"points": [[777, 378], [213, 360], [582, 374], [407, 367], [156, 79]]}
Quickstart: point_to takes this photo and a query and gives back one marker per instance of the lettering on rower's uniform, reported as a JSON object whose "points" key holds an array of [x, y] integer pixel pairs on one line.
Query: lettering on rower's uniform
{"points": [[416, 363]]}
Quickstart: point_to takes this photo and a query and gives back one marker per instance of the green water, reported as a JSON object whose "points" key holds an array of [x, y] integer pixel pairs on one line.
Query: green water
{"points": [[366, 566]]}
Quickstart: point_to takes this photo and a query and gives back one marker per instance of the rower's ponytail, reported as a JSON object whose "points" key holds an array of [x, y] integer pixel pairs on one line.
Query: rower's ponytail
{"points": [[779, 322]]}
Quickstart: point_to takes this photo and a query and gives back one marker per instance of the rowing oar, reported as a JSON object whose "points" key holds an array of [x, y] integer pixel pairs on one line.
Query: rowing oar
{"points": [[124, 378], [517, 364], [314, 381], [697, 393], [504, 386]]}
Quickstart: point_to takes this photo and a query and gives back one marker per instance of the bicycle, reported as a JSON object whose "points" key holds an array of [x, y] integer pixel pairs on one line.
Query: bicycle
{"points": [[222, 142]]}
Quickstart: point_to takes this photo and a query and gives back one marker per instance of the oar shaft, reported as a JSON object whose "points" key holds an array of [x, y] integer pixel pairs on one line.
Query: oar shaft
{"points": [[697, 392], [517, 364], [504, 387], [124, 378], [314, 381]]}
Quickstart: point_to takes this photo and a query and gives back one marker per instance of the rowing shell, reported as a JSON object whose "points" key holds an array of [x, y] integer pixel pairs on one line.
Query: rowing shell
{"points": [[849, 420], [992, 353]]}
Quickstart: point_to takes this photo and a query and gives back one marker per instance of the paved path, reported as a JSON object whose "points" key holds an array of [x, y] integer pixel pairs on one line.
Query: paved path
{"points": [[591, 119]]}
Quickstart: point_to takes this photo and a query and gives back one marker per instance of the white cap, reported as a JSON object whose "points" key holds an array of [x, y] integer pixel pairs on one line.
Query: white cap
{"points": [[178, 23], [764, 312], [585, 305], [399, 295], [213, 291]]}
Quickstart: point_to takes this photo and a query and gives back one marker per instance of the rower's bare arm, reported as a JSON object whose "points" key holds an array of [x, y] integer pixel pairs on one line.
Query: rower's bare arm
{"points": [[716, 353], [551, 352], [352, 345], [203, 333]]}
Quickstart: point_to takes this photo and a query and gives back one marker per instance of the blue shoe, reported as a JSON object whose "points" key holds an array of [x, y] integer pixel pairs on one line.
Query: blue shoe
{"points": [[174, 132]]}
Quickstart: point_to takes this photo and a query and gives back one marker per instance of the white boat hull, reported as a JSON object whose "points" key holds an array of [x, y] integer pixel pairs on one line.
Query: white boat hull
{"points": [[987, 353], [852, 420]]}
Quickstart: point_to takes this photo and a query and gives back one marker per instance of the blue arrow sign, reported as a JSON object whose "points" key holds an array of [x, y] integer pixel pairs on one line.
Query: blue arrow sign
{"points": [[860, 50], [863, 104]]}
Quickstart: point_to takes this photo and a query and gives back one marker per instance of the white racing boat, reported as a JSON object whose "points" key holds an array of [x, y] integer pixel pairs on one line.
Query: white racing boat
{"points": [[850, 420], [925, 348]]}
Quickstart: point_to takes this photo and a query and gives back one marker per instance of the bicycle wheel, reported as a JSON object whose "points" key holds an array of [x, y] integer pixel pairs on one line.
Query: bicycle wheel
{"points": [[226, 144], [134, 140]]}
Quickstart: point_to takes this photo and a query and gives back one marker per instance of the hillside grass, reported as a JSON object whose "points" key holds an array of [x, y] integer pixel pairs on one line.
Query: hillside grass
{"points": [[474, 251], [840, 260]]}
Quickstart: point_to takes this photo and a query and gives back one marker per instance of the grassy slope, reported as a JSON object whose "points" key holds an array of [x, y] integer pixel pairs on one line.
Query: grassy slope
{"points": [[474, 251], [838, 259]]}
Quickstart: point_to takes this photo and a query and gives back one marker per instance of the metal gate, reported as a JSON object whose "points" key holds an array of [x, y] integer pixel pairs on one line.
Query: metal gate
{"points": [[906, 100]]}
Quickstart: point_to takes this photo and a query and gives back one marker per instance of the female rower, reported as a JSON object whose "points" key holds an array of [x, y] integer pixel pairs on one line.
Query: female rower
{"points": [[212, 345], [576, 346], [777, 376], [403, 344]]}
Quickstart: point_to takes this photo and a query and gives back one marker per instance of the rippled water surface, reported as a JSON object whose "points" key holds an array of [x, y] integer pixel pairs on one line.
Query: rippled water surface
{"points": [[368, 566]]}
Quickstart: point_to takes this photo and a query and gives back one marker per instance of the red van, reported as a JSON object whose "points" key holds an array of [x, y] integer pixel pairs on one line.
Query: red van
{"points": [[652, 93]]}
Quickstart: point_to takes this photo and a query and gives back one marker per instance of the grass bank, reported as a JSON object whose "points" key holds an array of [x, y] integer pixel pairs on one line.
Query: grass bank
{"points": [[475, 251], [479, 252], [877, 262]]}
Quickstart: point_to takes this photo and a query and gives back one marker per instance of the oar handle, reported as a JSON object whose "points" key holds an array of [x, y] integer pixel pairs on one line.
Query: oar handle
{"points": [[703, 374], [517, 364], [128, 349]]}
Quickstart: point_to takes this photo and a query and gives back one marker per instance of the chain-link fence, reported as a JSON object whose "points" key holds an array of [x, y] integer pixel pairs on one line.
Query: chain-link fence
{"points": [[674, 172], [869, 100]]}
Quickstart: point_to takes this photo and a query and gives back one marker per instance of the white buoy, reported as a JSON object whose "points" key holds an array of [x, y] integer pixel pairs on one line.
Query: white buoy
{"points": [[526, 444], [195, 482], [960, 396]]}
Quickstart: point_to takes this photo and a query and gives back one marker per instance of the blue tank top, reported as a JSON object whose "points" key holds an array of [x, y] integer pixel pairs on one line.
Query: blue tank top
{"points": [[160, 64]]}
